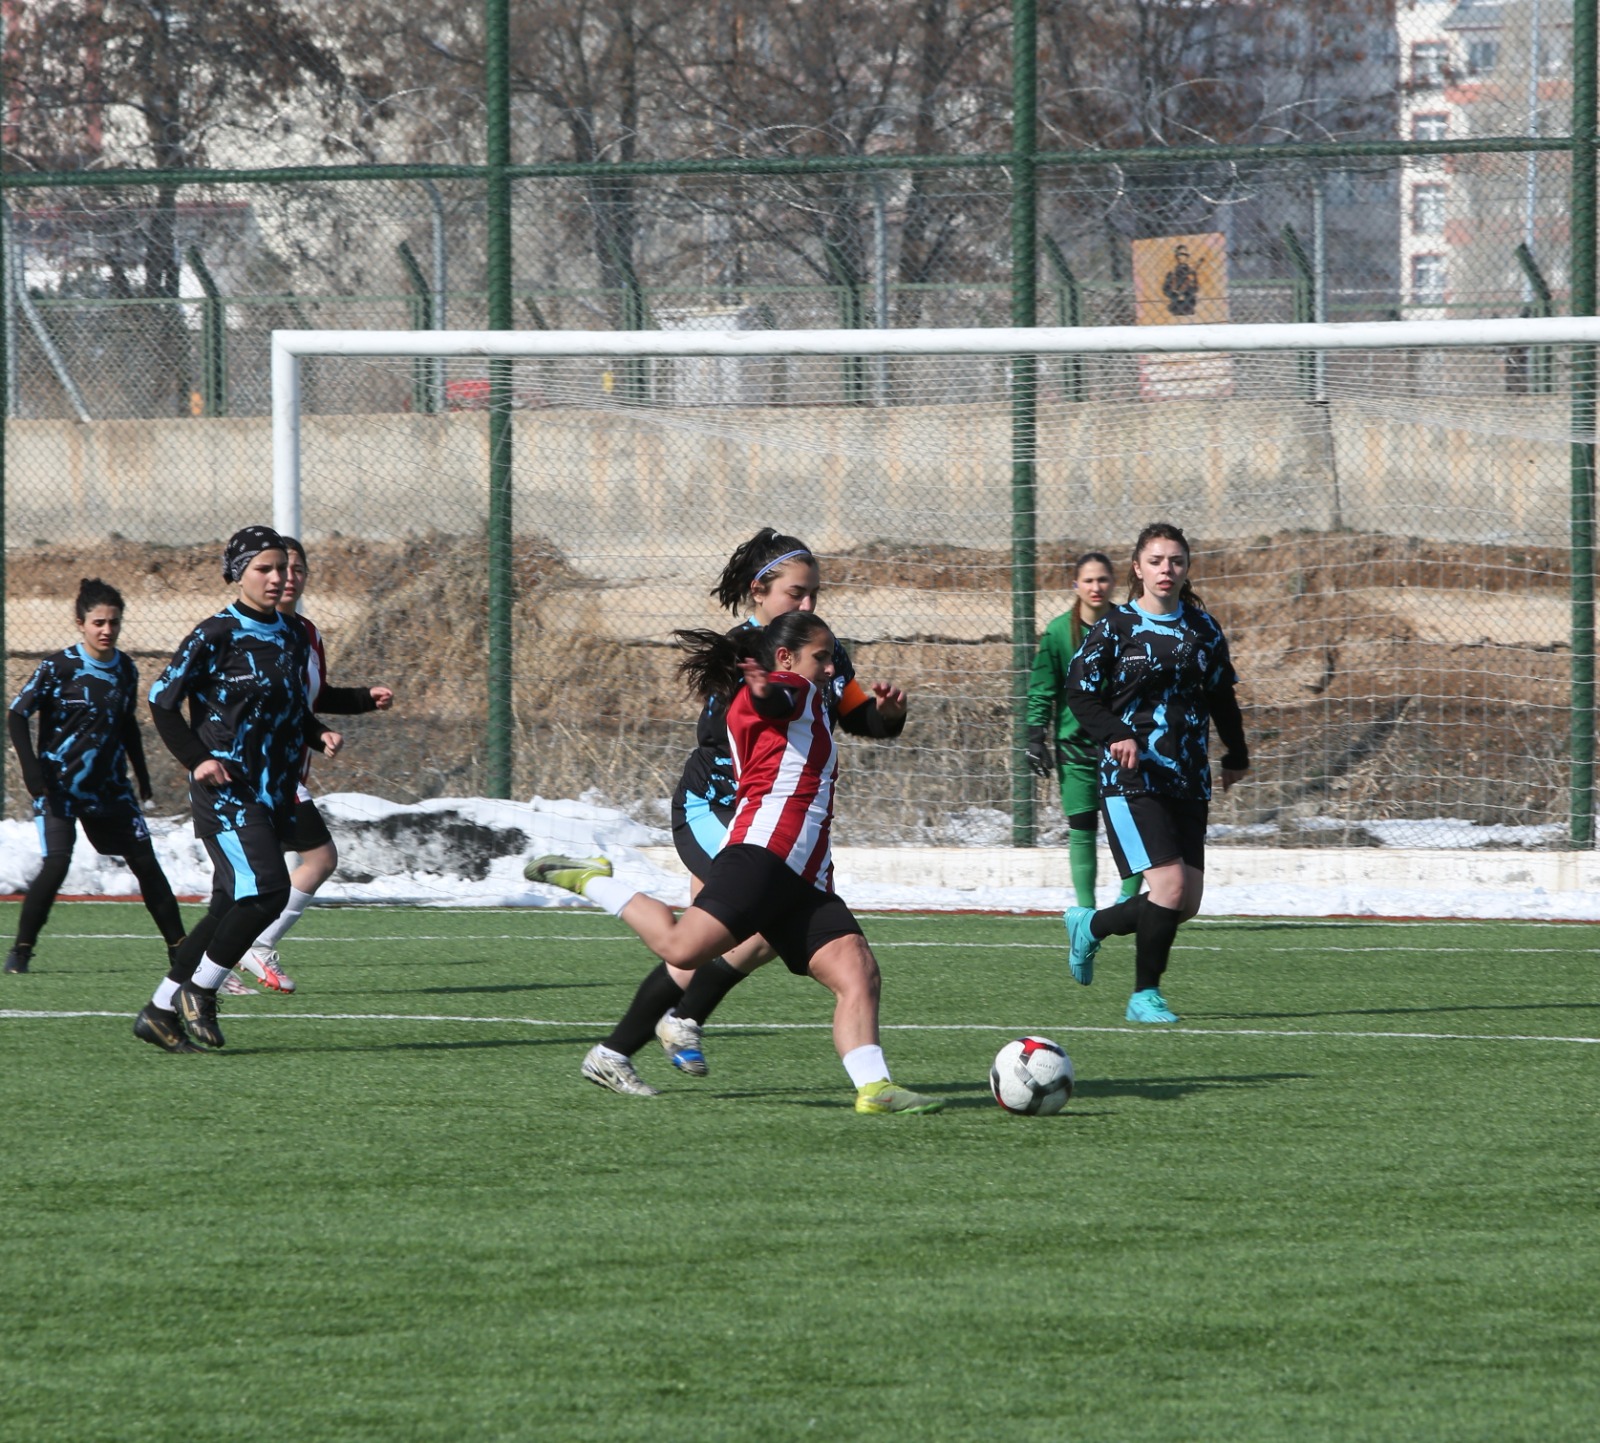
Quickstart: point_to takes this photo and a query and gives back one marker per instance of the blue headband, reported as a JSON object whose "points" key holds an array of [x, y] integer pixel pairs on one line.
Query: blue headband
{"points": [[778, 561]]}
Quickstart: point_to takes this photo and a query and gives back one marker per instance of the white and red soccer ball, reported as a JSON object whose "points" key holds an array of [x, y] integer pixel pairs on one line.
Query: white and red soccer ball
{"points": [[1032, 1076]]}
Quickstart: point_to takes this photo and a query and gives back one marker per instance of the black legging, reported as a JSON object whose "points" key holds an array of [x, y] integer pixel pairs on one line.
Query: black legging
{"points": [[226, 931], [154, 889]]}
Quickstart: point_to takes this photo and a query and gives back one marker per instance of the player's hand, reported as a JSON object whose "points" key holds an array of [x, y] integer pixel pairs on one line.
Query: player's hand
{"points": [[1040, 761], [331, 742], [891, 700], [212, 772], [1125, 754], [755, 675], [382, 697], [1230, 776]]}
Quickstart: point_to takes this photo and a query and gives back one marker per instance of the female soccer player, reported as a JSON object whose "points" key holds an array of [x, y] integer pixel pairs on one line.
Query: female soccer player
{"points": [[1075, 760], [770, 575], [242, 674], [308, 833], [86, 698], [1147, 684], [774, 875]]}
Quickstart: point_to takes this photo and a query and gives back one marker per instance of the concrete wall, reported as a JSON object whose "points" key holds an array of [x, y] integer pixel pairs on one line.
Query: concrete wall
{"points": [[623, 496]]}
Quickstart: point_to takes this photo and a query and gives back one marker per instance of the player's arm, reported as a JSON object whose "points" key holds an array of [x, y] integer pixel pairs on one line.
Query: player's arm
{"points": [[167, 695], [1088, 680], [1229, 722], [1045, 682], [774, 694], [18, 724], [133, 744], [318, 735], [880, 714], [353, 700]]}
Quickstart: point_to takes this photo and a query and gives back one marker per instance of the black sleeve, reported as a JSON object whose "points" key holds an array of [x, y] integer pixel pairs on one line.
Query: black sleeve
{"points": [[27, 758], [313, 730], [133, 742], [777, 701], [346, 700], [178, 737], [865, 721], [1229, 722], [1096, 718]]}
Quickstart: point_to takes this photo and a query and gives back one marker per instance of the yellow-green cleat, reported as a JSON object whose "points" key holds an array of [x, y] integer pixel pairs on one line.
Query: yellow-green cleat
{"points": [[886, 1097], [571, 874]]}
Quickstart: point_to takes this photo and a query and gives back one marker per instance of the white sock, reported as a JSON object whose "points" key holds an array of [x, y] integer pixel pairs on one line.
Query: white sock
{"points": [[298, 902], [866, 1064], [208, 975], [165, 994], [609, 893]]}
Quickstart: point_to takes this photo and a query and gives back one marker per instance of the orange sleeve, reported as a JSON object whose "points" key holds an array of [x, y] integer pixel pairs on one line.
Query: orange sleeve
{"points": [[852, 696]]}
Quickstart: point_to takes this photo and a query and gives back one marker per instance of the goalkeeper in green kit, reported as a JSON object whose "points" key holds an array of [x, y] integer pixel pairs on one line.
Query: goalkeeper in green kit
{"points": [[1057, 745]]}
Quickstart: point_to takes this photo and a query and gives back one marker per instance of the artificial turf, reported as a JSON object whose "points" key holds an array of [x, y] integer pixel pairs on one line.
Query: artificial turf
{"points": [[1352, 1196]]}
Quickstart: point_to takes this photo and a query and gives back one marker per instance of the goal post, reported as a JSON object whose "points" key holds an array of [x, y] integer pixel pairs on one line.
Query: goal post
{"points": [[699, 391]]}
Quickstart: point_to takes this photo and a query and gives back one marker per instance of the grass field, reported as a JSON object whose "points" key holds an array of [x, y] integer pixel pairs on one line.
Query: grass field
{"points": [[1353, 1196]]}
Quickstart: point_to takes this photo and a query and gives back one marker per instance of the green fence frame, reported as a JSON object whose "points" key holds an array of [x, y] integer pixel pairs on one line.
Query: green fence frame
{"points": [[1022, 163]]}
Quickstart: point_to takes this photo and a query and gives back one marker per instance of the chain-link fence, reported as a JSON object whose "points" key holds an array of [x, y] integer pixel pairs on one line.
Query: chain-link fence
{"points": [[1367, 164]]}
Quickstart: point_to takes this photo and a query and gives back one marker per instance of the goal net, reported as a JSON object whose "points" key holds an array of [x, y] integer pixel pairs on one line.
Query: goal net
{"points": [[1381, 516]]}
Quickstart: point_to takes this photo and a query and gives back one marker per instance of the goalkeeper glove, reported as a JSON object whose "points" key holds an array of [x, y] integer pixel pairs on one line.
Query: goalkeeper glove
{"points": [[1041, 755]]}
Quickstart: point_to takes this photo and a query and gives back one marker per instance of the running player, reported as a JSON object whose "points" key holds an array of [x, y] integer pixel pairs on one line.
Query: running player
{"points": [[1147, 684], [1074, 759], [774, 875], [770, 575], [242, 673], [308, 833], [86, 699]]}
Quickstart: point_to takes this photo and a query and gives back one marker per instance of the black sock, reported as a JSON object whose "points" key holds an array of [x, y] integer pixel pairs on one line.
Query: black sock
{"points": [[657, 994], [711, 984], [1120, 919], [1158, 926]]}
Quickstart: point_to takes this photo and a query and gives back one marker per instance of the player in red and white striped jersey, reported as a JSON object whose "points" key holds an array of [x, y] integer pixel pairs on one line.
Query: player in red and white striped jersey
{"points": [[775, 875]]}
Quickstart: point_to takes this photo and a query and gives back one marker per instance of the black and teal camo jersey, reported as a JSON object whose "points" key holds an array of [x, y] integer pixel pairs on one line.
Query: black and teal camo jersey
{"points": [[85, 708], [1152, 678], [245, 682]]}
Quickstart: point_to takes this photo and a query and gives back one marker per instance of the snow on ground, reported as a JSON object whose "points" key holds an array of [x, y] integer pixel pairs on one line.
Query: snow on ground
{"points": [[470, 852]]}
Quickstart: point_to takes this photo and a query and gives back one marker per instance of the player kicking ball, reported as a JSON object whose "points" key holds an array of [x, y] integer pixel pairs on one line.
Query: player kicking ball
{"points": [[775, 875]]}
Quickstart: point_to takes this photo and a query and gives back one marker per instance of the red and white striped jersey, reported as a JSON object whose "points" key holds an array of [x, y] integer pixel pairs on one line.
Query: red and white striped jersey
{"points": [[786, 767], [316, 674]]}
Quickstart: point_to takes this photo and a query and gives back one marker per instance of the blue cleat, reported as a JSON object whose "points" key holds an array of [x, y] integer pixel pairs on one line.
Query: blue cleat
{"points": [[1149, 1006], [1084, 943]]}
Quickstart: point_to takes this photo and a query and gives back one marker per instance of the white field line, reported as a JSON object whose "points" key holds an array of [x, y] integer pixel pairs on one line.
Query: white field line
{"points": [[236, 1015], [1056, 944]]}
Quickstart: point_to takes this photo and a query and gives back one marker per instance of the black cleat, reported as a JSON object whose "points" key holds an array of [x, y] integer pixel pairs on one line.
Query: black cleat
{"points": [[157, 1025], [17, 959], [198, 1008]]}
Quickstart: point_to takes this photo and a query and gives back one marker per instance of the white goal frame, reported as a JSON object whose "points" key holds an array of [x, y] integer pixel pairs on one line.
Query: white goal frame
{"points": [[290, 346]]}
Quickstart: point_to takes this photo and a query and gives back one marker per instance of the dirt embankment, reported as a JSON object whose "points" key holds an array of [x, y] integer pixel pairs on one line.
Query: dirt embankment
{"points": [[1382, 676]]}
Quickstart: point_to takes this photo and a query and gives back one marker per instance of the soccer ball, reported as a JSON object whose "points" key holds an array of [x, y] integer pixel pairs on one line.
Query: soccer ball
{"points": [[1031, 1075]]}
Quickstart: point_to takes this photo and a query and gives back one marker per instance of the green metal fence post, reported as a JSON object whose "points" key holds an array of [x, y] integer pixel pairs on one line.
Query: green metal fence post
{"points": [[1540, 371], [1024, 402], [213, 339], [1584, 152], [852, 317], [497, 96], [1069, 312], [1305, 303], [424, 388]]}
